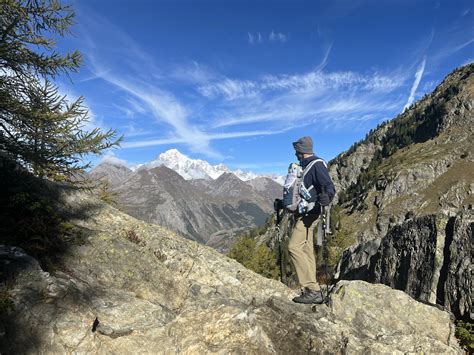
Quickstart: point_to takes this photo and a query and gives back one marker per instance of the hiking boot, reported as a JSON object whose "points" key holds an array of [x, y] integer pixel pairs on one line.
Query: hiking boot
{"points": [[309, 296]]}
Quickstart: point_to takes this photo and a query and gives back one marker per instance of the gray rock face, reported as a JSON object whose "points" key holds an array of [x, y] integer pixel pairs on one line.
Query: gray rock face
{"points": [[351, 163], [406, 258], [354, 264], [428, 257], [134, 287], [455, 289], [114, 173]]}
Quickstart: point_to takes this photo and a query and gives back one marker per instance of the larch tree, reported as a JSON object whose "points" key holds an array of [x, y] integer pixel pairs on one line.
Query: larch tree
{"points": [[40, 128]]}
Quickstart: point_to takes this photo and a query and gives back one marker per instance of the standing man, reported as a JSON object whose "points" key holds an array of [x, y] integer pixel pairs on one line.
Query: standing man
{"points": [[319, 184]]}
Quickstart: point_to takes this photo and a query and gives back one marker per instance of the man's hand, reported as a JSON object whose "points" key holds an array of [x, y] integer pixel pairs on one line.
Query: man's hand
{"points": [[323, 199], [278, 204]]}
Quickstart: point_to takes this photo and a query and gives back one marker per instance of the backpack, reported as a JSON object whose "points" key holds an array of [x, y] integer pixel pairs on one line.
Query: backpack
{"points": [[294, 191]]}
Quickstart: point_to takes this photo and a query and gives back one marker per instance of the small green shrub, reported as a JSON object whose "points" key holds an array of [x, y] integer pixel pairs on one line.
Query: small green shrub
{"points": [[465, 334], [259, 259], [106, 194], [264, 262]]}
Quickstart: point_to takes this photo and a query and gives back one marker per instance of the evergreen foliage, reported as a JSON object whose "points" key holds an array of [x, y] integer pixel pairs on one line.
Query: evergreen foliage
{"points": [[416, 125], [338, 241], [38, 127], [258, 258], [465, 334]]}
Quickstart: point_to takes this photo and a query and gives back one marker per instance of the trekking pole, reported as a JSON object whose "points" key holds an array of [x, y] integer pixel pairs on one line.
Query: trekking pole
{"points": [[326, 230], [278, 207], [323, 229]]}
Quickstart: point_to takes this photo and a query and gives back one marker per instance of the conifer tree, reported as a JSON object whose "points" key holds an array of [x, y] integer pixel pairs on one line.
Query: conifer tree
{"points": [[39, 128]]}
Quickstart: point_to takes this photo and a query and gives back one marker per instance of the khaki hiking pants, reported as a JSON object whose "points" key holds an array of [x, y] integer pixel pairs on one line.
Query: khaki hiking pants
{"points": [[302, 251]]}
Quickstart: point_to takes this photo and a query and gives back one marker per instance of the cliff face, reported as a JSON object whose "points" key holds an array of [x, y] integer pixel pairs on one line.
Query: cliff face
{"points": [[429, 258], [125, 286]]}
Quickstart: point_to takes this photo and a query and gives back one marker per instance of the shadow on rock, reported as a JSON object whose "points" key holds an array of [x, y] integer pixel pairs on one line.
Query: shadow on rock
{"points": [[36, 230]]}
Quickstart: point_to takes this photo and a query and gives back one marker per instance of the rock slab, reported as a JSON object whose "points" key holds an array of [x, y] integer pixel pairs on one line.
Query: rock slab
{"points": [[156, 292]]}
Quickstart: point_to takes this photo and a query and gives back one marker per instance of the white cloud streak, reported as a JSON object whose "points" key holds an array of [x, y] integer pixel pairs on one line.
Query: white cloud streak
{"points": [[329, 99], [257, 37], [166, 108], [211, 136], [416, 82], [251, 38], [277, 37], [313, 81], [325, 59]]}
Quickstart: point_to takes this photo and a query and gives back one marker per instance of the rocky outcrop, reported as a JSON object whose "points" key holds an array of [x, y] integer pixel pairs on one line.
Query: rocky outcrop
{"points": [[354, 264], [347, 166], [128, 287], [429, 258], [455, 287]]}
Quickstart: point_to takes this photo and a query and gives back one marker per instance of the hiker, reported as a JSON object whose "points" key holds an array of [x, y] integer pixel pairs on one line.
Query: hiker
{"points": [[319, 190]]}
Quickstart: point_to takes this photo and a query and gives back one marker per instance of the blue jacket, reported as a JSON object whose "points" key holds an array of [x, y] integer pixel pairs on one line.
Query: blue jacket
{"points": [[318, 177]]}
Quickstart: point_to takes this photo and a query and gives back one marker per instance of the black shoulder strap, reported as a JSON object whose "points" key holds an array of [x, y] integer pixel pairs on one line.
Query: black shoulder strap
{"points": [[308, 168]]}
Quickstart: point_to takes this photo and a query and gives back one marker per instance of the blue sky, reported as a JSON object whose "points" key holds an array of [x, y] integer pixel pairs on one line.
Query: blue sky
{"points": [[238, 81]]}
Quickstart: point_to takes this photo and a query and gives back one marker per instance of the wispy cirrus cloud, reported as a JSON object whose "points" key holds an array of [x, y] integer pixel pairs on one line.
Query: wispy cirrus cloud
{"points": [[141, 89], [255, 37], [416, 82], [167, 108], [272, 37], [210, 136], [326, 99], [313, 81], [194, 104], [277, 37]]}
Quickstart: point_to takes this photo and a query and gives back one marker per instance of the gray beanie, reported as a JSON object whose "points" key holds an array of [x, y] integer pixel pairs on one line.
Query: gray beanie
{"points": [[304, 145]]}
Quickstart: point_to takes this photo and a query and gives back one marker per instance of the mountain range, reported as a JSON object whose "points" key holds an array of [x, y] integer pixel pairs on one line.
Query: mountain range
{"points": [[191, 169], [207, 203]]}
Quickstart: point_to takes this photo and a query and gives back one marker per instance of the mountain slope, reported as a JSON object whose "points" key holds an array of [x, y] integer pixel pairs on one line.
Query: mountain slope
{"points": [[405, 199], [419, 163], [212, 212], [114, 173], [204, 202]]}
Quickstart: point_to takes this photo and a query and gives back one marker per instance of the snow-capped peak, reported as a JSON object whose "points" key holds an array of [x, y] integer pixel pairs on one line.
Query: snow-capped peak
{"points": [[196, 168], [172, 155]]}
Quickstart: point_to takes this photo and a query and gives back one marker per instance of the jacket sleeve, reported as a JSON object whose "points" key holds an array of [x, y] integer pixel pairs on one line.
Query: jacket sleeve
{"points": [[324, 180]]}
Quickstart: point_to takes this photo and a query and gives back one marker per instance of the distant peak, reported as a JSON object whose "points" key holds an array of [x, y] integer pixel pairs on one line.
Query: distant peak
{"points": [[196, 168], [113, 161], [172, 153]]}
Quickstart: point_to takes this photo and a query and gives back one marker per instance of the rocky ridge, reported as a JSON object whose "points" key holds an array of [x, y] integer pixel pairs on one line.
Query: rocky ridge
{"points": [[407, 196], [129, 286], [421, 162]]}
